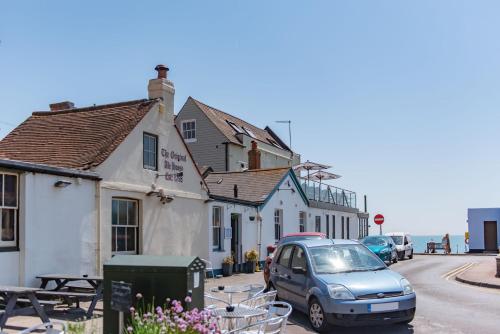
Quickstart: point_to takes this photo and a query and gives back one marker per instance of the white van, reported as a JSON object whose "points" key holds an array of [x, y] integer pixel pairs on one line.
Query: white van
{"points": [[404, 244]]}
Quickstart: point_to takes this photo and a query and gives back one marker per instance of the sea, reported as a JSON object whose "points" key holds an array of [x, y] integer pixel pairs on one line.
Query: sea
{"points": [[457, 243]]}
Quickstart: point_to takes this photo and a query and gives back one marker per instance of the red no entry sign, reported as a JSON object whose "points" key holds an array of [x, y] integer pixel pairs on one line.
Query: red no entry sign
{"points": [[378, 219]]}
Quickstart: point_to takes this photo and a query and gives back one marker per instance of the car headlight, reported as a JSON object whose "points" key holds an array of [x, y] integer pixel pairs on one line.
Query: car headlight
{"points": [[407, 288], [338, 291]]}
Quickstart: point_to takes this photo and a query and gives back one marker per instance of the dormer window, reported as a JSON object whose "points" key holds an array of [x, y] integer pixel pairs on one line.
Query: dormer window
{"points": [[189, 130], [235, 127], [150, 151]]}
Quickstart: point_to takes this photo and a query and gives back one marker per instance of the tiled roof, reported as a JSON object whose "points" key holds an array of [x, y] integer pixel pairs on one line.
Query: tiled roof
{"points": [[221, 120], [75, 138], [254, 186]]}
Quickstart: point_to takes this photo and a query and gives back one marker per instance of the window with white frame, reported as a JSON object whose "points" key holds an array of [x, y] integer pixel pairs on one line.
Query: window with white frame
{"points": [[150, 151], [189, 130], [302, 221], [9, 207], [217, 228], [317, 227], [125, 226], [278, 224]]}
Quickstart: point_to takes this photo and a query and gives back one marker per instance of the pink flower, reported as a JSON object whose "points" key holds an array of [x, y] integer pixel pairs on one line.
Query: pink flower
{"points": [[130, 329], [138, 295], [187, 299]]}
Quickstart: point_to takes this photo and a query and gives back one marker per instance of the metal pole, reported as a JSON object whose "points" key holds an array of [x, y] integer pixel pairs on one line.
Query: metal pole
{"points": [[121, 329], [380, 229]]}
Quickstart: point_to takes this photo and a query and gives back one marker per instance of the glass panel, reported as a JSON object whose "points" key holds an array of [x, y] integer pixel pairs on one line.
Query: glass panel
{"points": [[299, 258], [132, 213], [114, 212], [131, 239], [285, 256], [121, 239], [113, 239], [10, 194], [8, 225], [122, 212]]}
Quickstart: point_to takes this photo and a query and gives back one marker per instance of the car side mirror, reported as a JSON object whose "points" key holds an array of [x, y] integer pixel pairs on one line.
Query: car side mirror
{"points": [[299, 270], [406, 242]]}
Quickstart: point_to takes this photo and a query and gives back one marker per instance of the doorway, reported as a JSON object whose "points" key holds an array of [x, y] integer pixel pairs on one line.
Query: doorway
{"points": [[490, 236], [236, 247]]}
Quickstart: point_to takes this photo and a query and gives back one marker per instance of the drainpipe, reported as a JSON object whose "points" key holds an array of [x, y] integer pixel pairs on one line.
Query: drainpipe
{"points": [[98, 226], [259, 244]]}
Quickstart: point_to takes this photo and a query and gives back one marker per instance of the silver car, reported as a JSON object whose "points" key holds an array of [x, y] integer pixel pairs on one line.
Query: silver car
{"points": [[340, 282]]}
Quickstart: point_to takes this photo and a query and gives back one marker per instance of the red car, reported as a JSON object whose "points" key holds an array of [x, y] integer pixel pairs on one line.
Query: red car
{"points": [[287, 238]]}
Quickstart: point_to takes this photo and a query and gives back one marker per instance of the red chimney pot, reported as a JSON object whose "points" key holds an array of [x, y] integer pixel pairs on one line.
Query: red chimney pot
{"points": [[162, 71]]}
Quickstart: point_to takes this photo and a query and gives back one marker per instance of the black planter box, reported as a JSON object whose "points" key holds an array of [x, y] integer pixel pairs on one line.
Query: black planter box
{"points": [[251, 267]]}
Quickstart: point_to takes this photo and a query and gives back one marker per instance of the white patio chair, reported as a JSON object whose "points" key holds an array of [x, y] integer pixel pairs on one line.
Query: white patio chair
{"points": [[255, 289], [49, 328], [259, 299], [212, 302], [208, 268], [274, 323]]}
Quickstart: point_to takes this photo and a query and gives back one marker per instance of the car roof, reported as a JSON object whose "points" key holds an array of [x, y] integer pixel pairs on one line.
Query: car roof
{"points": [[306, 234], [324, 242]]}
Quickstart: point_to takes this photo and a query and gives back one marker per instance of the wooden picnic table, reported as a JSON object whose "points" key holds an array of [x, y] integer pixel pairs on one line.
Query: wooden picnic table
{"points": [[13, 295], [62, 281]]}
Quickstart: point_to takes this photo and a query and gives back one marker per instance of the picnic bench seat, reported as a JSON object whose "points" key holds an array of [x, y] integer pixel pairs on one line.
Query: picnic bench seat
{"points": [[68, 295], [48, 305]]}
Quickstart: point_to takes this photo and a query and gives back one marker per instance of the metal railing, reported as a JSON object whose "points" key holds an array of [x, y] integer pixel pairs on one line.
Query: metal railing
{"points": [[322, 192]]}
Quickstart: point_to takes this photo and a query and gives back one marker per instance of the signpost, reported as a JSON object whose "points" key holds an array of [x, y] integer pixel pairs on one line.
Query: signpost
{"points": [[379, 220], [121, 300]]}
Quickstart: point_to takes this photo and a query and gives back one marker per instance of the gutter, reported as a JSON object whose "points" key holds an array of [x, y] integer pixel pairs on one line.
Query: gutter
{"points": [[46, 169]]}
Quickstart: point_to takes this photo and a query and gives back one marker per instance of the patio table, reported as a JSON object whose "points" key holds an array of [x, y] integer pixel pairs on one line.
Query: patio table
{"points": [[231, 290], [239, 313], [11, 296], [62, 280]]}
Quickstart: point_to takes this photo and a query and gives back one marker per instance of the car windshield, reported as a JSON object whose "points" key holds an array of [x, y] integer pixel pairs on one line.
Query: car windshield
{"points": [[398, 239], [375, 241], [344, 258]]}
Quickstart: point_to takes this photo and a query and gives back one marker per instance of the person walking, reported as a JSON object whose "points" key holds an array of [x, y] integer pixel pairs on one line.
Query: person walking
{"points": [[444, 244]]}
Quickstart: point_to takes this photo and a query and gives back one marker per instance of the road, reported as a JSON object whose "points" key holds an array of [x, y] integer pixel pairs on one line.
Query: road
{"points": [[443, 305]]}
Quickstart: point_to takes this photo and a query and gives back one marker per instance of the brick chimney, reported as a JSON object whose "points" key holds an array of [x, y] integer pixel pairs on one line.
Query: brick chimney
{"points": [[254, 157], [65, 105], [163, 88]]}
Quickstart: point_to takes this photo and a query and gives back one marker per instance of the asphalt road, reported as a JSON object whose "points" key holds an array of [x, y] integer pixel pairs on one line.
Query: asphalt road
{"points": [[443, 305]]}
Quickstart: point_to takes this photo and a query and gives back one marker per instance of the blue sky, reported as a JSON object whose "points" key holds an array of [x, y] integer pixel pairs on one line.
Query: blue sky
{"points": [[400, 97]]}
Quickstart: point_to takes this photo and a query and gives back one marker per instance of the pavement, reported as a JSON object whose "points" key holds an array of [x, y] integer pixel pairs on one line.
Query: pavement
{"points": [[481, 274]]}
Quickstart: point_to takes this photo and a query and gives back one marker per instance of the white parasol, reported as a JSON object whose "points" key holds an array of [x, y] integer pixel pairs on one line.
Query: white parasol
{"points": [[309, 166]]}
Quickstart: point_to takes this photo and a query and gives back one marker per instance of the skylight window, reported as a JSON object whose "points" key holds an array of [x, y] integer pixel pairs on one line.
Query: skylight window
{"points": [[235, 127], [248, 132], [273, 143]]}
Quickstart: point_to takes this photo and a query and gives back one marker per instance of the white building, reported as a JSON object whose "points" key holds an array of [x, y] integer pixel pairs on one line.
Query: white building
{"points": [[255, 208], [82, 184], [484, 233]]}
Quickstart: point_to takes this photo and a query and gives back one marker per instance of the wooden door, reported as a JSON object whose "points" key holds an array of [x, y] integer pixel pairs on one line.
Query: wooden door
{"points": [[490, 236]]}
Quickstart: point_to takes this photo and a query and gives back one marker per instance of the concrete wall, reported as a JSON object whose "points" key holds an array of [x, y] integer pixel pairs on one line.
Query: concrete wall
{"points": [[57, 230], [476, 219], [208, 149], [175, 228]]}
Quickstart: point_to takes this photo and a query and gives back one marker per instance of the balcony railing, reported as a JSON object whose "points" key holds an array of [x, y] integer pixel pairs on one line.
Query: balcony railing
{"points": [[322, 192]]}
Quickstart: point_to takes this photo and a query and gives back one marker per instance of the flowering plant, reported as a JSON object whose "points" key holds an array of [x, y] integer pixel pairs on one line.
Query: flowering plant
{"points": [[252, 255], [171, 319], [228, 260]]}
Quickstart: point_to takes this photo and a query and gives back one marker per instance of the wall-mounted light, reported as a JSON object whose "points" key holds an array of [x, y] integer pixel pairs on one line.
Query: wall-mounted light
{"points": [[62, 183]]}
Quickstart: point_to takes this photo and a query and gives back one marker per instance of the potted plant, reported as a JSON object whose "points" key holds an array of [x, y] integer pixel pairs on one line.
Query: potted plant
{"points": [[251, 258], [227, 266]]}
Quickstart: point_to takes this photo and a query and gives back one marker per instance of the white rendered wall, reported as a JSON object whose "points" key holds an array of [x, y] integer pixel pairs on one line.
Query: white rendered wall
{"points": [[476, 219], [57, 227], [175, 228], [9, 275]]}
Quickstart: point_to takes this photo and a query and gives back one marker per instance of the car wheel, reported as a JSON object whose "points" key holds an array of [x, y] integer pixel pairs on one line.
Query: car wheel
{"points": [[401, 256], [395, 260], [317, 316], [411, 255]]}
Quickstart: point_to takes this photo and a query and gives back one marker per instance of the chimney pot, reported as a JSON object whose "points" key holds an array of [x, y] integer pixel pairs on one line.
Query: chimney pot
{"points": [[65, 105], [162, 71]]}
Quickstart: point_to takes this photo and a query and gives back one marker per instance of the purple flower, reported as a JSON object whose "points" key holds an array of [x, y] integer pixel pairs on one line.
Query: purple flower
{"points": [[132, 310], [138, 295], [187, 299], [130, 329]]}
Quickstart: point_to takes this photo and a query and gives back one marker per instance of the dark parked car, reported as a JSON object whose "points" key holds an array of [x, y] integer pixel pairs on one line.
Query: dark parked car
{"points": [[340, 282], [383, 246]]}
